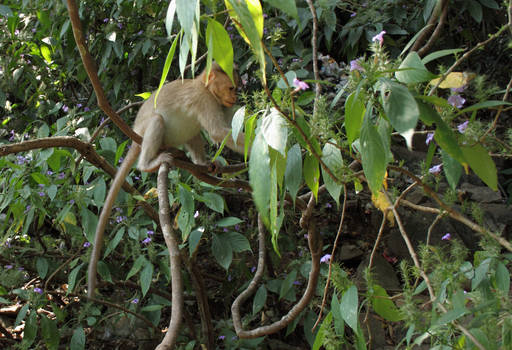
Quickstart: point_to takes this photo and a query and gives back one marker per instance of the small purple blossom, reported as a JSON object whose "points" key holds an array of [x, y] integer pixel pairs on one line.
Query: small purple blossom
{"points": [[237, 227], [61, 176], [353, 14], [120, 218], [86, 109], [150, 232], [20, 160], [300, 85], [328, 205], [41, 185], [196, 214], [436, 169], [65, 108], [430, 137], [120, 160], [105, 20], [8, 267], [87, 244], [140, 32], [27, 208], [222, 337], [49, 172], [354, 65], [78, 105], [17, 32], [225, 229], [41, 194], [456, 101], [458, 90], [11, 139], [38, 290], [446, 237], [135, 301], [462, 127], [146, 241], [297, 283], [120, 25], [326, 258], [379, 37], [71, 201], [253, 269]]}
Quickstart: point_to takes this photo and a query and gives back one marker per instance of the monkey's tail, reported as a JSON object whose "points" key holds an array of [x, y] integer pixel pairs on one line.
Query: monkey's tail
{"points": [[118, 181]]}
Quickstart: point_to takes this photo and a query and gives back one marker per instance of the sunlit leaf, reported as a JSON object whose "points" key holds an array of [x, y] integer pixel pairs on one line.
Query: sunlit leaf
{"points": [[454, 80]]}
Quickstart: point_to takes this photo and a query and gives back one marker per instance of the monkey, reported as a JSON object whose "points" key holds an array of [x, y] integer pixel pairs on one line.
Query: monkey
{"points": [[183, 108]]}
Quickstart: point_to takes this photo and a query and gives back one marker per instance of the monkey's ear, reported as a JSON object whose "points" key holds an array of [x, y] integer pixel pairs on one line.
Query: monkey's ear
{"points": [[211, 77]]}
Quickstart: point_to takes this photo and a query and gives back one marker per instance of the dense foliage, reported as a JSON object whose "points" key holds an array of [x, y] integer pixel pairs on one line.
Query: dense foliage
{"points": [[395, 75]]}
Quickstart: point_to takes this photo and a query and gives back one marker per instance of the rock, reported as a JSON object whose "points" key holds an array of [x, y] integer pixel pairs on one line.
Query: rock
{"points": [[383, 273], [481, 194], [349, 251]]}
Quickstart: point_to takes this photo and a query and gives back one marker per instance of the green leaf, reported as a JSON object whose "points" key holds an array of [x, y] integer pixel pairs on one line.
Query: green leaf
{"points": [[259, 170], [5, 11], [112, 244], [502, 278], [450, 316], [169, 18], [400, 106], [373, 155], [237, 123], [259, 299], [89, 223], [475, 10], [50, 333], [287, 284], [413, 71], [47, 55], [289, 76], [186, 11], [293, 172], [42, 267], [490, 4], [72, 278], [354, 114], [100, 190], [438, 54], [452, 169], [339, 323], [193, 240], [287, 6], [446, 139], [349, 307], [322, 332], [137, 265], [40, 178], [312, 173], [167, 64], [146, 276], [78, 339], [228, 221], [104, 271], [482, 164], [275, 130], [384, 306], [30, 330], [222, 251], [222, 49], [331, 156], [52, 192], [237, 241], [485, 104], [214, 201]]}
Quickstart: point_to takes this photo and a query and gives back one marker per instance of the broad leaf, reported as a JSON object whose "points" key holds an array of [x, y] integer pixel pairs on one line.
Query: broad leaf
{"points": [[482, 164], [331, 156], [146, 276], [452, 169], [222, 49], [312, 173], [259, 170], [399, 105], [222, 251], [287, 6], [413, 71], [275, 130], [293, 173], [373, 156], [349, 307], [259, 299], [354, 114], [384, 306]]}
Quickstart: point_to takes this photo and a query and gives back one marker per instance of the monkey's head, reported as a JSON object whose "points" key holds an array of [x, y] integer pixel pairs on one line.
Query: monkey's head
{"points": [[220, 85]]}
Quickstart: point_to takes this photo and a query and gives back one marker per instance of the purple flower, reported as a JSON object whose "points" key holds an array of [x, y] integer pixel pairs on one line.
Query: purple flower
{"points": [[49, 172], [300, 85], [253, 269], [33, 30], [120, 25], [135, 301], [222, 337], [120, 160], [8, 267], [71, 201], [41, 185], [140, 32], [353, 14], [150, 232], [61, 176], [328, 205], [237, 227], [456, 101], [105, 20], [11, 139], [462, 127], [430, 137], [326, 258], [120, 218], [354, 65], [65, 108], [196, 214], [146, 241], [458, 90], [38, 290], [20, 160], [379, 37], [87, 244], [297, 283], [86, 109], [446, 237], [41, 194], [17, 32], [27, 208], [436, 169]]}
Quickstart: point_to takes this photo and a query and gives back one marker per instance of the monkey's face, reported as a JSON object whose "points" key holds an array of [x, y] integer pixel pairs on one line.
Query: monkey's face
{"points": [[224, 90]]}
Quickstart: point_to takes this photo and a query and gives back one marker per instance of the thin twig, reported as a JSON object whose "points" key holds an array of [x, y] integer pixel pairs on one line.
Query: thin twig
{"points": [[338, 235], [437, 31], [377, 241], [314, 43], [500, 109]]}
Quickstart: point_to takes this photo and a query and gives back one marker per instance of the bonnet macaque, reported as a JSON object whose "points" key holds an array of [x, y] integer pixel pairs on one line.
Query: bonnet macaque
{"points": [[183, 108]]}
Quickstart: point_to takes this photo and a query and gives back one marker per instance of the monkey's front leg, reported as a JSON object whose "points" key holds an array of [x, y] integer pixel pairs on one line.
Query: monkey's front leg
{"points": [[150, 157]]}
